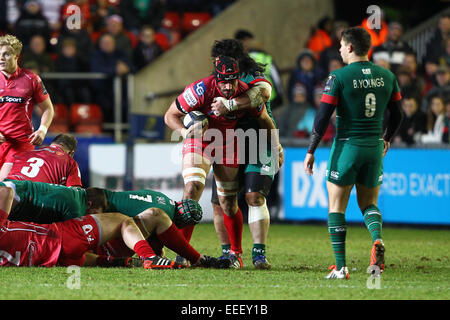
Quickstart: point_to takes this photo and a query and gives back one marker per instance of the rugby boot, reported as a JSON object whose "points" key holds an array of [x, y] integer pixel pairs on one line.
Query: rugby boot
{"points": [[376, 257], [338, 274], [236, 261], [261, 262], [182, 261], [157, 262]]}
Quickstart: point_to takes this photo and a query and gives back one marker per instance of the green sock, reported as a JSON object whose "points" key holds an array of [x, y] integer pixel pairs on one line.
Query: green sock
{"points": [[259, 249], [226, 249], [338, 231], [373, 221]]}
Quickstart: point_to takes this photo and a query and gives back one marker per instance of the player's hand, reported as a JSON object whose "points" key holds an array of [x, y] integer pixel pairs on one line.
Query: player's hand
{"points": [[218, 106], [280, 156], [2, 138], [387, 145], [37, 137], [194, 131], [308, 163]]}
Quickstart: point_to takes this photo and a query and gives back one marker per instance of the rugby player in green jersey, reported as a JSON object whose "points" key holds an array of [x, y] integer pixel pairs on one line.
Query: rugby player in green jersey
{"points": [[255, 178], [360, 93], [47, 203], [159, 218]]}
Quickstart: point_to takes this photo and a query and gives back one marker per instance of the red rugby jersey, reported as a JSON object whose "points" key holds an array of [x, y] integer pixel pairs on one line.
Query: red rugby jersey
{"points": [[49, 164], [199, 96], [18, 95], [29, 244]]}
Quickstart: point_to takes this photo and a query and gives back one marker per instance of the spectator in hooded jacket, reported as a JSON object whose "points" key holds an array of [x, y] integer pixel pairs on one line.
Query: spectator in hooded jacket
{"points": [[308, 73]]}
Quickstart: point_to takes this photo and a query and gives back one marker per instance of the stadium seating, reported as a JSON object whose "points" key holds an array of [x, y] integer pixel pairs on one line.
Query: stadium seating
{"points": [[171, 21], [162, 40], [86, 118], [194, 20], [60, 123]]}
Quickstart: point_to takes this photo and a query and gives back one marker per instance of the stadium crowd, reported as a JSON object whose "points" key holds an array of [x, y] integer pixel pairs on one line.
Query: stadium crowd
{"points": [[114, 37], [112, 40], [425, 87]]}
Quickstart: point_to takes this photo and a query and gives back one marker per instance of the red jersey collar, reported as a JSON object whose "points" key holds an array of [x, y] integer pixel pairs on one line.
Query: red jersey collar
{"points": [[56, 146]]}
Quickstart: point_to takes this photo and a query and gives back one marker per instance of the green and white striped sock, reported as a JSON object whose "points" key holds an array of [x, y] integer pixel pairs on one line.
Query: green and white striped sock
{"points": [[338, 232]]}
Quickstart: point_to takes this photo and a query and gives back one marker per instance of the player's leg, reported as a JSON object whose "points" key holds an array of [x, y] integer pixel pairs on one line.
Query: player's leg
{"points": [[258, 223], [195, 169], [156, 221], [113, 225], [227, 189], [367, 189], [338, 199], [257, 186], [219, 224], [367, 201], [342, 170]]}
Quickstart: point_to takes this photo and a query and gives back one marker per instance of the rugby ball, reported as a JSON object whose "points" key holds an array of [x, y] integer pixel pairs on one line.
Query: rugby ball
{"points": [[193, 117]]}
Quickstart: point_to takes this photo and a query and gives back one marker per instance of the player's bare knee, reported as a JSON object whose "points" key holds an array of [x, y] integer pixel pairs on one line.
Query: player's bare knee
{"points": [[127, 222], [255, 199], [193, 190], [229, 206]]}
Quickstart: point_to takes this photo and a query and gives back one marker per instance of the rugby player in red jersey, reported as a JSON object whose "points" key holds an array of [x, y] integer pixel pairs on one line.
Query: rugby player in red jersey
{"points": [[51, 164], [64, 243], [72, 242], [20, 90], [198, 156]]}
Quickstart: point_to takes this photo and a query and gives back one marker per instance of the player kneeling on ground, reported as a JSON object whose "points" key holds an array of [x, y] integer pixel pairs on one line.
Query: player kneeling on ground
{"points": [[159, 218], [65, 243]]}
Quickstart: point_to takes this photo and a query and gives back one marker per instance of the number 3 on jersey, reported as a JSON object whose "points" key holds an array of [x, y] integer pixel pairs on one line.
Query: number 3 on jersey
{"points": [[32, 170], [371, 105]]}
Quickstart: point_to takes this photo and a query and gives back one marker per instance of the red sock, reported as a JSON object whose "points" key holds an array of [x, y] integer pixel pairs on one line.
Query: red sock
{"points": [[187, 232], [3, 216], [143, 249], [173, 239], [234, 226]]}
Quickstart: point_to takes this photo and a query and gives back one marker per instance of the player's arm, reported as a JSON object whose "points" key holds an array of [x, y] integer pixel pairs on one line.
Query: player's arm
{"points": [[173, 116], [258, 94], [265, 122], [393, 124], [46, 106], [321, 122], [6, 201]]}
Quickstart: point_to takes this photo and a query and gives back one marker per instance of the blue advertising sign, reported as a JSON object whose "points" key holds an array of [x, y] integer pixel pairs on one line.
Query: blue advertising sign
{"points": [[415, 189]]}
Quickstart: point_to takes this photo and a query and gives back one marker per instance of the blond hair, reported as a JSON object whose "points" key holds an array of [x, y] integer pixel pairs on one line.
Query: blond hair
{"points": [[13, 42]]}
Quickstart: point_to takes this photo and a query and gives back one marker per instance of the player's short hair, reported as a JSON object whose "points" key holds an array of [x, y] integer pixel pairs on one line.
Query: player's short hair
{"points": [[67, 141], [359, 38], [97, 198], [13, 42]]}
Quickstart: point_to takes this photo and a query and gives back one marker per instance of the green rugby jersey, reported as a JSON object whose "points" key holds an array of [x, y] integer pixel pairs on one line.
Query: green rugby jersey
{"points": [[361, 92], [249, 122], [131, 203], [46, 203]]}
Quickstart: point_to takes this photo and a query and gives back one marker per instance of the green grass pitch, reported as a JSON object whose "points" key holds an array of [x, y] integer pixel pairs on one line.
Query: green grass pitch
{"points": [[417, 268]]}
